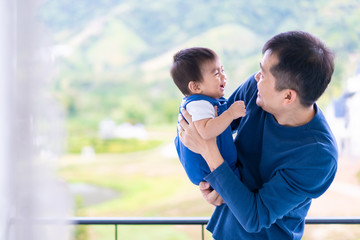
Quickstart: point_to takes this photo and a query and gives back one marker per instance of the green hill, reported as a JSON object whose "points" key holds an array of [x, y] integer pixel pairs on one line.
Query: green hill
{"points": [[119, 52]]}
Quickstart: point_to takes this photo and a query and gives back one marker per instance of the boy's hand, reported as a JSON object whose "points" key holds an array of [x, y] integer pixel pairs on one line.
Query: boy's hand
{"points": [[237, 109]]}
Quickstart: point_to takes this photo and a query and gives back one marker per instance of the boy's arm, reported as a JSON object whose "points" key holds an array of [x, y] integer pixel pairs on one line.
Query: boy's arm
{"points": [[213, 127]]}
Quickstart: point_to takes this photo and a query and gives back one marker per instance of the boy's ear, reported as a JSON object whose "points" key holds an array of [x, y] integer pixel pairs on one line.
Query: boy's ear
{"points": [[194, 87]]}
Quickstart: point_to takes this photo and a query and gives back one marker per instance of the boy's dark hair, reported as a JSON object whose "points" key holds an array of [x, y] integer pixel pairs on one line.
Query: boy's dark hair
{"points": [[187, 66], [305, 64]]}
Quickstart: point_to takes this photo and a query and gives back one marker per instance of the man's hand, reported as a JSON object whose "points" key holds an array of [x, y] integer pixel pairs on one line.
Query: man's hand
{"points": [[191, 138], [189, 135], [237, 109], [210, 195]]}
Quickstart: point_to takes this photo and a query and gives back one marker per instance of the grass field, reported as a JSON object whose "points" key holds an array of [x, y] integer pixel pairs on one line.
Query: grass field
{"points": [[150, 183]]}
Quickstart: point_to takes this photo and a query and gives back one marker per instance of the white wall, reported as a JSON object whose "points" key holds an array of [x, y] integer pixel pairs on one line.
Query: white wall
{"points": [[353, 84], [347, 128]]}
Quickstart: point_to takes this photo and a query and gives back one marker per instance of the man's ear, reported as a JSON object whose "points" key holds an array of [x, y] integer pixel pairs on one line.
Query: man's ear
{"points": [[289, 96], [194, 87]]}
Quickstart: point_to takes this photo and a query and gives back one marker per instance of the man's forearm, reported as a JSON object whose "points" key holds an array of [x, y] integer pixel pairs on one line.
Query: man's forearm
{"points": [[211, 154]]}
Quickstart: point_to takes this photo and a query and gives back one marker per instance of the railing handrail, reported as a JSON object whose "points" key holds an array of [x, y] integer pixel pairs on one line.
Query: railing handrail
{"points": [[189, 220], [202, 221], [332, 220], [140, 220]]}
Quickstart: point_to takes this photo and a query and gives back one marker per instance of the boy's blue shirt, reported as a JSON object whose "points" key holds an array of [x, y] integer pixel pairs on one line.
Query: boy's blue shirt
{"points": [[194, 164], [281, 170]]}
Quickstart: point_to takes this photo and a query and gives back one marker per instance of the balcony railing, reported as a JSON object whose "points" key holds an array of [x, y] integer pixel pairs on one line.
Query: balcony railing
{"points": [[202, 221]]}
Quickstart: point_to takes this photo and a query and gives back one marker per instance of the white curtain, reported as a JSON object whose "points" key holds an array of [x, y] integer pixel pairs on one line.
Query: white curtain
{"points": [[34, 203]]}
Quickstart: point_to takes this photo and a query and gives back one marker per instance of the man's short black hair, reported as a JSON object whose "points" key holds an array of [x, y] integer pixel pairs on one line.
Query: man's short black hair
{"points": [[305, 64]]}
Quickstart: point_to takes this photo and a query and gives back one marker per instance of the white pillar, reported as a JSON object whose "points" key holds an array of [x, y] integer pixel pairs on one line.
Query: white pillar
{"points": [[30, 131], [7, 72]]}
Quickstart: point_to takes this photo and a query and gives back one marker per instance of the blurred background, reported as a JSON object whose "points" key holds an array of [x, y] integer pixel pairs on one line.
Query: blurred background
{"points": [[118, 106]]}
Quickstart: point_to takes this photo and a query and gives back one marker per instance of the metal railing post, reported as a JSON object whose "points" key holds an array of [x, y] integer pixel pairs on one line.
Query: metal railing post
{"points": [[116, 228], [202, 232]]}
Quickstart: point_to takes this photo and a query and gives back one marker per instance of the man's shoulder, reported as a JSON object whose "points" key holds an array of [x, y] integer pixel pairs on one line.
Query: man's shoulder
{"points": [[246, 90], [322, 131]]}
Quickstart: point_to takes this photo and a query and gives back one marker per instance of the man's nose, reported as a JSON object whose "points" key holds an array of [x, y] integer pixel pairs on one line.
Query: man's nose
{"points": [[257, 76]]}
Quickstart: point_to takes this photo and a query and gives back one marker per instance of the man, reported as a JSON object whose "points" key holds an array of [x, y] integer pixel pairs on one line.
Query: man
{"points": [[287, 154]]}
